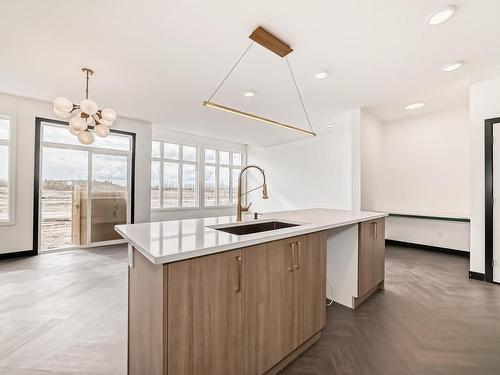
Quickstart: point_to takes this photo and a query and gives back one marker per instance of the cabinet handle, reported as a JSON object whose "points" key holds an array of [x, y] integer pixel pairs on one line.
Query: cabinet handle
{"points": [[297, 266], [292, 257], [375, 228], [238, 263]]}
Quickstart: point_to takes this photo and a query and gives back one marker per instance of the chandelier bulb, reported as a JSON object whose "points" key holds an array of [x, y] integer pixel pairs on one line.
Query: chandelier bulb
{"points": [[85, 114]]}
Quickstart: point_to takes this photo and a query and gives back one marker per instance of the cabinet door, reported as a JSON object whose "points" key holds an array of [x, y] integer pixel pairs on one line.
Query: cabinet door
{"points": [[371, 255], [379, 251], [366, 246], [309, 287], [267, 305], [204, 315]]}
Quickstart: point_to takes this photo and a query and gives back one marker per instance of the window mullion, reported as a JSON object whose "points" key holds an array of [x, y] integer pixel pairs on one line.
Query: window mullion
{"points": [[217, 178], [230, 184], [200, 174], [161, 175], [180, 182]]}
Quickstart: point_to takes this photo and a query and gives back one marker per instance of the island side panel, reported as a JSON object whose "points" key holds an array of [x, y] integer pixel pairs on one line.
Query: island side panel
{"points": [[145, 316], [342, 264]]}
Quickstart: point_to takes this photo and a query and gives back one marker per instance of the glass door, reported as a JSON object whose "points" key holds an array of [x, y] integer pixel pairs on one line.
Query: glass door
{"points": [[64, 177], [109, 196], [84, 191]]}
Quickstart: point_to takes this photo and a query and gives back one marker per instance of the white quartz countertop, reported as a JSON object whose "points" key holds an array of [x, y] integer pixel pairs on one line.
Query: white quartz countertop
{"points": [[171, 241]]}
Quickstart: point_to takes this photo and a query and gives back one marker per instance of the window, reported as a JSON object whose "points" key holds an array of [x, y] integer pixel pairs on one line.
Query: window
{"points": [[187, 176], [222, 169], [174, 175], [7, 170], [84, 190]]}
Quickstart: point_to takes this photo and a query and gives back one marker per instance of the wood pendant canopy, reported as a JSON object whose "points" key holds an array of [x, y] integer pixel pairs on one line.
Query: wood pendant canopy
{"points": [[271, 42]]}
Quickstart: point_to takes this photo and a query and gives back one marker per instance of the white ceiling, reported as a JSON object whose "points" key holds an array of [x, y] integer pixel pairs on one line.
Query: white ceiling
{"points": [[157, 60]]}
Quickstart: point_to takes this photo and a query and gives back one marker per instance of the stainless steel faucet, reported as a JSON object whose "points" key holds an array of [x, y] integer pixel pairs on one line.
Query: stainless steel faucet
{"points": [[240, 208]]}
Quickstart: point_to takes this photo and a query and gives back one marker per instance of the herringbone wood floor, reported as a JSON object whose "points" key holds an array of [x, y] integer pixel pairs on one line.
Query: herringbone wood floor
{"points": [[430, 320], [65, 313]]}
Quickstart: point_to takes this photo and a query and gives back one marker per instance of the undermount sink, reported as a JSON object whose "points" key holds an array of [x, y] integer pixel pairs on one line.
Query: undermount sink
{"points": [[241, 229]]}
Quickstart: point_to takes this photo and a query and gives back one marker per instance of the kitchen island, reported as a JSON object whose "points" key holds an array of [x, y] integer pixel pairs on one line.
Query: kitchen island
{"points": [[203, 300]]}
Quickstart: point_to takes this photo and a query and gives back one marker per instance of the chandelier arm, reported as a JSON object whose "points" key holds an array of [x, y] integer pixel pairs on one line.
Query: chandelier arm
{"points": [[87, 86], [298, 93], [228, 74]]}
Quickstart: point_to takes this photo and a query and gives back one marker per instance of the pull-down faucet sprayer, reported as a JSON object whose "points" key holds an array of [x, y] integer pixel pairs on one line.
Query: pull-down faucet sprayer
{"points": [[240, 208]]}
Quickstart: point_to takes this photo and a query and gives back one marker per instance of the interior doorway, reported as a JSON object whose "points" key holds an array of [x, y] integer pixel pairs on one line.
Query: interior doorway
{"points": [[492, 200], [496, 201], [81, 192]]}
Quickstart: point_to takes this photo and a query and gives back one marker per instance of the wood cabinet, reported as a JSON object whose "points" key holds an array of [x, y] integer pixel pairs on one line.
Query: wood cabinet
{"points": [[247, 311], [145, 317], [267, 305], [309, 287], [371, 256], [283, 299], [204, 315]]}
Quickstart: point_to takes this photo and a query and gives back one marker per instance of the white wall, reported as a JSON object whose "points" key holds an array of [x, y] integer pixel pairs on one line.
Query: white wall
{"points": [[419, 166], [426, 172], [312, 172], [426, 163], [163, 134], [443, 233], [484, 103], [19, 237], [372, 162]]}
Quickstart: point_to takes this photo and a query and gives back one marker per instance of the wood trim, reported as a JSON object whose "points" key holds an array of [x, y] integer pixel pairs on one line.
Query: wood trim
{"points": [[293, 355], [428, 247], [271, 42]]}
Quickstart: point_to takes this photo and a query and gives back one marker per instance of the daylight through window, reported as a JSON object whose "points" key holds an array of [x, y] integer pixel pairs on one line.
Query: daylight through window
{"points": [[186, 176], [6, 168]]}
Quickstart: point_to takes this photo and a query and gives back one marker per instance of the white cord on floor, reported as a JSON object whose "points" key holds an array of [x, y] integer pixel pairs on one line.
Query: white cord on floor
{"points": [[331, 301]]}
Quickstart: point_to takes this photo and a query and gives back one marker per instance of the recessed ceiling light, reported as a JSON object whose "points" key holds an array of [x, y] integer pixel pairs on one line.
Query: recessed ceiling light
{"points": [[442, 15], [249, 93], [330, 126], [415, 105], [321, 75], [453, 66]]}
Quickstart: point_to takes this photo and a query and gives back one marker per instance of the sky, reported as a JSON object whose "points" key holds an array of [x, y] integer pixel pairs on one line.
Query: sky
{"points": [[64, 164], [61, 164], [171, 172], [60, 134]]}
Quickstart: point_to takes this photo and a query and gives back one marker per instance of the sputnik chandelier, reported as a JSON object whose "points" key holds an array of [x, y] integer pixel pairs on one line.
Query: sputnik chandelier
{"points": [[85, 115], [282, 49]]}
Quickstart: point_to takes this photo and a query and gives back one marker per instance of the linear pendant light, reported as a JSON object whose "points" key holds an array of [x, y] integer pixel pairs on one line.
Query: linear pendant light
{"points": [[276, 45], [255, 117]]}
